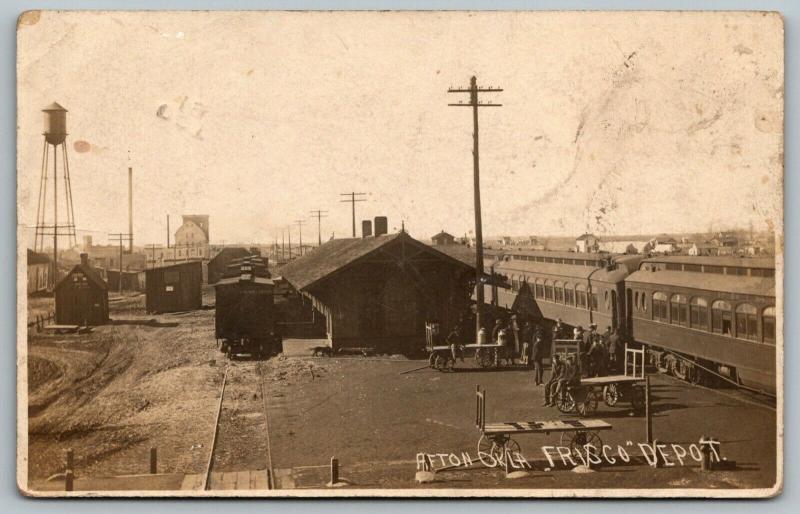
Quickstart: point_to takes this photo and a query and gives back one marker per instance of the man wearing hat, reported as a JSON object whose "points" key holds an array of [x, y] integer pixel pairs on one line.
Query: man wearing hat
{"points": [[570, 377], [586, 344], [557, 370]]}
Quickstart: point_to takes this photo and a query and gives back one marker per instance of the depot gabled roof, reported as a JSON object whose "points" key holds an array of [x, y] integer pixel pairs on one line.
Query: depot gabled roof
{"points": [[310, 269]]}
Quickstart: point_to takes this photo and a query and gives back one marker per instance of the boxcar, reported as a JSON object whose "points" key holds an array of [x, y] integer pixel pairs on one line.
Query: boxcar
{"points": [[718, 311], [245, 316], [174, 288]]}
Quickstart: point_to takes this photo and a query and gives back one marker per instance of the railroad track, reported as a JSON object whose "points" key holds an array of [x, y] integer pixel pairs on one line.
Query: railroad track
{"points": [[240, 440]]}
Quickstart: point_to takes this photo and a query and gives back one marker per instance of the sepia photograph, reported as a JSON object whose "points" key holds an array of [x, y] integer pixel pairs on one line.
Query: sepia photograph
{"points": [[400, 253]]}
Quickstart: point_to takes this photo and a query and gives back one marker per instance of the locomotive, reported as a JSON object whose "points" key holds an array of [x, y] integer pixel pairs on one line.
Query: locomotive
{"points": [[245, 315], [702, 319]]}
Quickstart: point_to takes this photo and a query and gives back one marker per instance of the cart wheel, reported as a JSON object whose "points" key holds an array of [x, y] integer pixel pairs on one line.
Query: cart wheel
{"points": [[565, 402], [589, 404], [611, 394], [679, 369], [494, 446], [577, 441], [432, 360], [637, 398]]}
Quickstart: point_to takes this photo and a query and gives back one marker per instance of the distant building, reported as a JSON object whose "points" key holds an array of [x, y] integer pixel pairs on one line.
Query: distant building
{"points": [[39, 267], [131, 280], [725, 239], [192, 238], [218, 266], [699, 249], [81, 296], [443, 238], [587, 243]]}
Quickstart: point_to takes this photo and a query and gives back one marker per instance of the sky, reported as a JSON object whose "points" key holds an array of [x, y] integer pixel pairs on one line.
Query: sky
{"points": [[612, 123]]}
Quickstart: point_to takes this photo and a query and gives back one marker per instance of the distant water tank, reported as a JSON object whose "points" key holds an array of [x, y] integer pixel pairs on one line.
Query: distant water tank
{"points": [[381, 225], [366, 228], [55, 124]]}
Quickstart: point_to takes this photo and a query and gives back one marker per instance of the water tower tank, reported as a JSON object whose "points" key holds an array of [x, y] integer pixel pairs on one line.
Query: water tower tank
{"points": [[366, 228], [55, 124], [381, 225]]}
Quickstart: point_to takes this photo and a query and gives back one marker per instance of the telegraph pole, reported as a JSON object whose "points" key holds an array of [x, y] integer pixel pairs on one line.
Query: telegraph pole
{"points": [[353, 201], [120, 238], [289, 232], [319, 215], [152, 248], [283, 245], [300, 228], [474, 102]]}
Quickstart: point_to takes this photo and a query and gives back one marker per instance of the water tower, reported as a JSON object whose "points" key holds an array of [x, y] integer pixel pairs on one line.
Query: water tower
{"points": [[55, 135]]}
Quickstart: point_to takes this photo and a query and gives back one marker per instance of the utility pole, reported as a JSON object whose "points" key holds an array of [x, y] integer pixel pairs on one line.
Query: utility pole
{"points": [[167, 231], [300, 228], [152, 248], [289, 231], [120, 238], [474, 102], [319, 215], [353, 201], [283, 245], [130, 207]]}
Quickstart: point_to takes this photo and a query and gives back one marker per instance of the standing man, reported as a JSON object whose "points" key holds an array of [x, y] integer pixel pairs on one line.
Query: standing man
{"points": [[538, 356], [514, 329], [585, 346], [498, 326], [454, 341], [527, 341], [613, 351], [550, 387]]}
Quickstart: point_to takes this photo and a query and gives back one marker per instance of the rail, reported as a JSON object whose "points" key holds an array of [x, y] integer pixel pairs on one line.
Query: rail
{"points": [[210, 465]]}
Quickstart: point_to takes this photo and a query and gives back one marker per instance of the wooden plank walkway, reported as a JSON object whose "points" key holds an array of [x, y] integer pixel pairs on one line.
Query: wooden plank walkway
{"points": [[246, 480]]}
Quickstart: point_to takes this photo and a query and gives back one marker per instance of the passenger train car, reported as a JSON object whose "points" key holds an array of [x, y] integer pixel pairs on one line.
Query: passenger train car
{"points": [[578, 288], [698, 316], [719, 311]]}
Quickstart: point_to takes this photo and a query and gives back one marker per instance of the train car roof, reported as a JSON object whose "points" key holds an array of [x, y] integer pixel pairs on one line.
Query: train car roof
{"points": [[573, 271], [245, 278], [738, 284], [731, 261], [589, 256]]}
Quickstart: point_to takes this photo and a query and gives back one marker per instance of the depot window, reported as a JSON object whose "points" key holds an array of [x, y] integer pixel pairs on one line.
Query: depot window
{"points": [[746, 322], [593, 300], [548, 291], [539, 289], [678, 309], [660, 307], [768, 325], [559, 292], [698, 313], [721, 318]]}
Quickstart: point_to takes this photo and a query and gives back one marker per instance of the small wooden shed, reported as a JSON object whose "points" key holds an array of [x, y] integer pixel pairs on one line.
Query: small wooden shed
{"points": [[174, 288], [81, 296]]}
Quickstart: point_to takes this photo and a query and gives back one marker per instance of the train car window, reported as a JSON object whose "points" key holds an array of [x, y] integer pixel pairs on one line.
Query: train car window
{"points": [[712, 269], [762, 272], [514, 284], [539, 259], [548, 291], [721, 318], [569, 261], [636, 300], [580, 296], [643, 298], [660, 312], [746, 322], [539, 289], [768, 325], [593, 298], [569, 294], [698, 313], [673, 266], [692, 267], [558, 261], [735, 270], [558, 292], [606, 299], [548, 259], [678, 310]]}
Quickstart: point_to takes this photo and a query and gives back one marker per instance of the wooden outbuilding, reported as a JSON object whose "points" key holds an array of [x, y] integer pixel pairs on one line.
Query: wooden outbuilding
{"points": [[174, 288], [131, 280], [379, 291], [218, 266], [81, 296]]}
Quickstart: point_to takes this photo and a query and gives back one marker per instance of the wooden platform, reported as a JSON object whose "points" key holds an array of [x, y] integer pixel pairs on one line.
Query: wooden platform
{"points": [[539, 427], [62, 329], [246, 480]]}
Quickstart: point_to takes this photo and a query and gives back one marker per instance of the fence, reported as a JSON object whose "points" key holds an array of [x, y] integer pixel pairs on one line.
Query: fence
{"points": [[40, 320]]}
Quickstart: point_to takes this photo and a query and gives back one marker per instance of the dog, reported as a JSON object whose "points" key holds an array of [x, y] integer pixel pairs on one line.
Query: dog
{"points": [[322, 351]]}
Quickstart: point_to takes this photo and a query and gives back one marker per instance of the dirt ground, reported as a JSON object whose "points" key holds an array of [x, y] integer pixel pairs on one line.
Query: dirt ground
{"points": [[138, 382]]}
